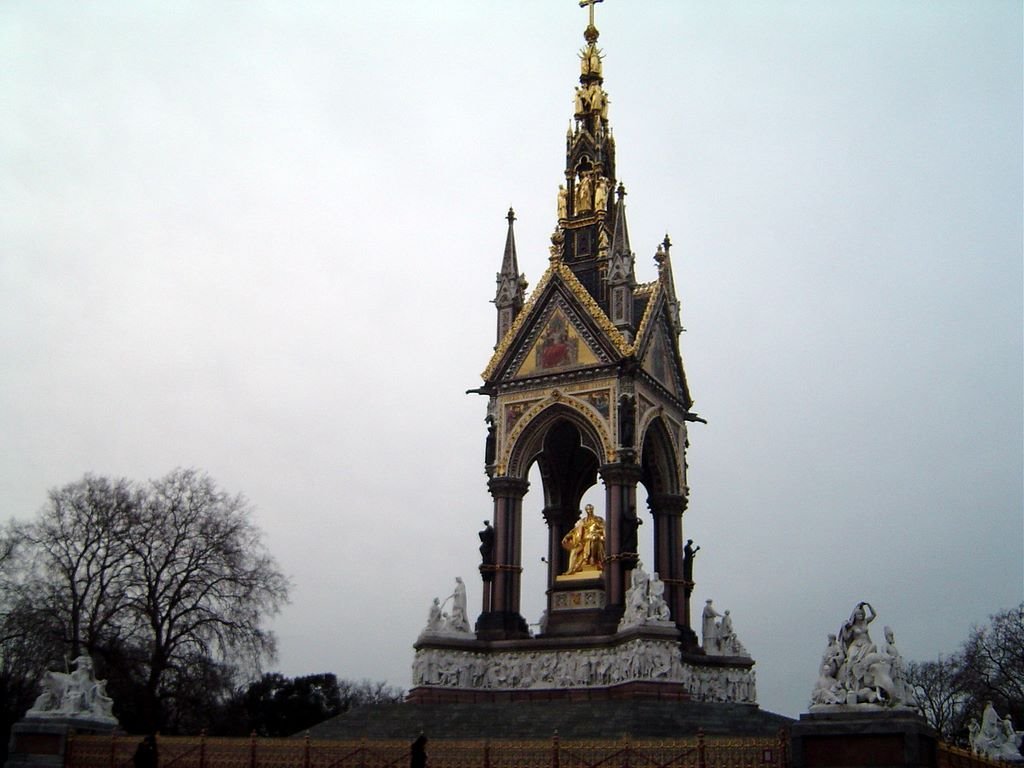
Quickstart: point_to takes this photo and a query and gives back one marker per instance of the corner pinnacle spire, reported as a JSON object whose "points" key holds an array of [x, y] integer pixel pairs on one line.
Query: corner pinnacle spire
{"points": [[511, 292]]}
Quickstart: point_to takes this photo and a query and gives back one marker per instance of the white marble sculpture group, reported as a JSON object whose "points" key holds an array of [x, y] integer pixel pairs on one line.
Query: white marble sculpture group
{"points": [[718, 638], [856, 673], [995, 737], [645, 601], [76, 694], [454, 623]]}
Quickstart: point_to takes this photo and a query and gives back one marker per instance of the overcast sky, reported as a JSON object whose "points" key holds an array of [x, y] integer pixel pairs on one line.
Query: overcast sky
{"points": [[260, 239]]}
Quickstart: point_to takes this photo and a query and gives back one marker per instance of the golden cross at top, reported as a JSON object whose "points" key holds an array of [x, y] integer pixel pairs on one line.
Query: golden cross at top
{"points": [[591, 3]]}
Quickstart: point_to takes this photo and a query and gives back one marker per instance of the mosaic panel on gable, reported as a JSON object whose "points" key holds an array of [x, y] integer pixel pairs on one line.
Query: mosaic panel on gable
{"points": [[558, 343]]}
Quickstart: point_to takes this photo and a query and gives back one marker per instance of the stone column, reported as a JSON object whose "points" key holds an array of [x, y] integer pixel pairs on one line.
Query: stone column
{"points": [[620, 482], [560, 521], [501, 618], [667, 509]]}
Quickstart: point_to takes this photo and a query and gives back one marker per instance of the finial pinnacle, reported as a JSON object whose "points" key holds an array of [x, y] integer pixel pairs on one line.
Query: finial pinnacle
{"points": [[511, 215]]}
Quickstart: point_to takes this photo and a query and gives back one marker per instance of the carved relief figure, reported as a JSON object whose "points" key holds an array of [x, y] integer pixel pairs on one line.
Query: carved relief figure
{"points": [[585, 193], [709, 632], [434, 617], [857, 645], [590, 61], [582, 105], [658, 609], [601, 194], [563, 202], [627, 420], [458, 620]]}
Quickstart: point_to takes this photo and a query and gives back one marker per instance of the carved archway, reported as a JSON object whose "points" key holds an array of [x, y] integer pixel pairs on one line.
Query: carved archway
{"points": [[659, 459], [568, 442], [562, 441], [662, 475], [525, 442]]}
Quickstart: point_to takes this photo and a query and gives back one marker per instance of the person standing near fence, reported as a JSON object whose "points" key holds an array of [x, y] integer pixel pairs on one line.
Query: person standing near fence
{"points": [[145, 754], [418, 753]]}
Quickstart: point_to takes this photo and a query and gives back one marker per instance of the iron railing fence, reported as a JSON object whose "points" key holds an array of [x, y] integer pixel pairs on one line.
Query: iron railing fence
{"points": [[203, 752], [955, 757]]}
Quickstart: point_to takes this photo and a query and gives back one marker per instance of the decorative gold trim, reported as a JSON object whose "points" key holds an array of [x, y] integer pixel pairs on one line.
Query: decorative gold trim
{"points": [[644, 288], [518, 323], [581, 294], [641, 330]]}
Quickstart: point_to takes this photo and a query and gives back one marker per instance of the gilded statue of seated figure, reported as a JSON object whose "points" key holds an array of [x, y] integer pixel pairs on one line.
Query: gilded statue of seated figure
{"points": [[585, 543]]}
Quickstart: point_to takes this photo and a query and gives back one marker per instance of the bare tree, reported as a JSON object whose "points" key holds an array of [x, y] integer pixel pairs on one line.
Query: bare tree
{"points": [[993, 660], [941, 694], [168, 583], [202, 581], [78, 571], [988, 666], [22, 645]]}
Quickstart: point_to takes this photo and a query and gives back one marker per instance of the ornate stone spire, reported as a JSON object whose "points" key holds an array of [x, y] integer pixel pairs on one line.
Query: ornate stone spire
{"points": [[620, 275], [511, 283], [585, 199], [664, 262]]}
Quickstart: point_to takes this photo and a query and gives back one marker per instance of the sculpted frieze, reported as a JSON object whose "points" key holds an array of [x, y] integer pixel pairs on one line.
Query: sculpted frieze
{"points": [[640, 659]]}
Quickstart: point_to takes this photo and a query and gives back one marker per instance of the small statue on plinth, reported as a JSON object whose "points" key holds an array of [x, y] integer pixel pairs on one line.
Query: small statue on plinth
{"points": [[487, 544], [689, 552]]}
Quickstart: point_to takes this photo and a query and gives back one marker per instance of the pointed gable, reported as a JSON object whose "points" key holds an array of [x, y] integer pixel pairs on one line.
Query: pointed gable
{"points": [[657, 348], [560, 328]]}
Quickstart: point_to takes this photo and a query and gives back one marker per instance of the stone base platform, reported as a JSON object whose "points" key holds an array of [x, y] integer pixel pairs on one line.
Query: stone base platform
{"points": [[608, 719], [639, 662], [875, 738], [624, 692], [42, 742]]}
